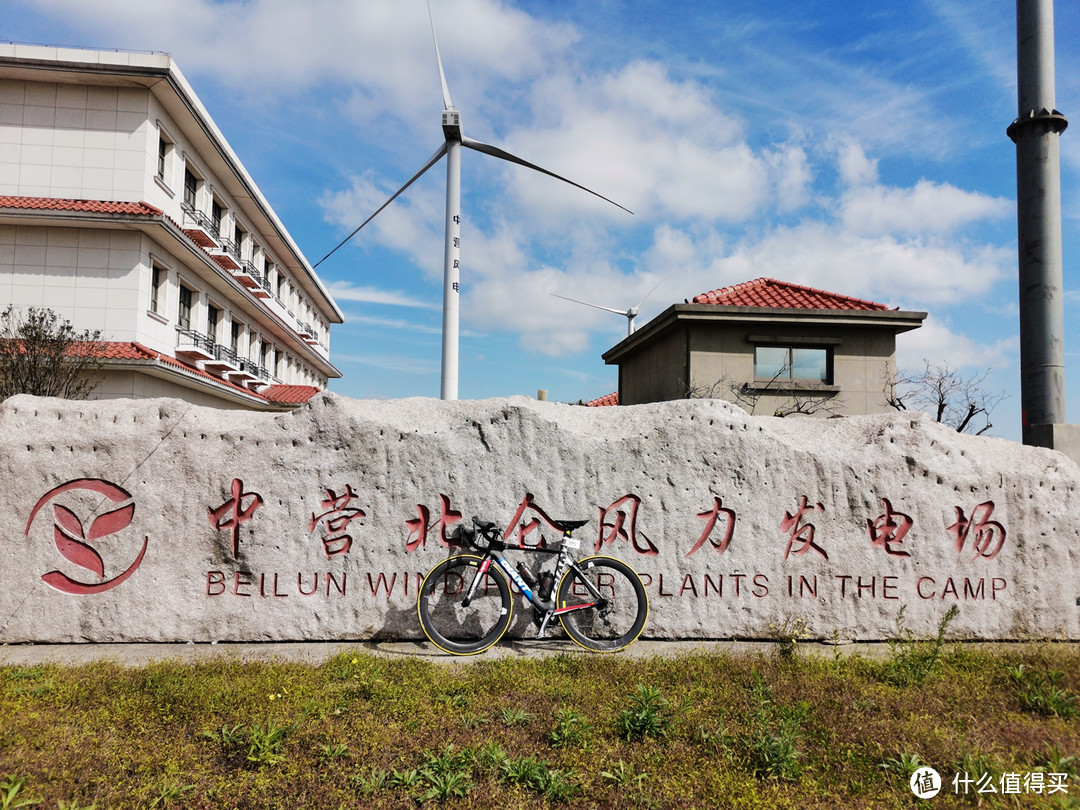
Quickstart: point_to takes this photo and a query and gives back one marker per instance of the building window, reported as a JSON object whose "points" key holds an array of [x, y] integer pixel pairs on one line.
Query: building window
{"points": [[191, 188], [162, 154], [216, 213], [213, 318], [279, 363], [234, 342], [792, 363], [157, 288], [183, 312]]}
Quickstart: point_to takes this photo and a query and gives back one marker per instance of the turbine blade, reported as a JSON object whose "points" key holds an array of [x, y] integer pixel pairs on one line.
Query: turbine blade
{"points": [[431, 162], [650, 292], [495, 151], [594, 306], [447, 103]]}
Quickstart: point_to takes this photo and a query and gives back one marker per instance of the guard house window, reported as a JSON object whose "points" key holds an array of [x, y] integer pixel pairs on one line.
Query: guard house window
{"points": [[800, 363], [183, 313], [191, 188]]}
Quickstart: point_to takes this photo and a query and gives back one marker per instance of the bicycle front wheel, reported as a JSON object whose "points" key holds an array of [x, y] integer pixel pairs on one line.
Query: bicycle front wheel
{"points": [[602, 604], [447, 622]]}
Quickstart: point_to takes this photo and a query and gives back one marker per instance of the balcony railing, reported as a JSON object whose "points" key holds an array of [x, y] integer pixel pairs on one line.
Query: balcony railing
{"points": [[198, 226], [194, 344]]}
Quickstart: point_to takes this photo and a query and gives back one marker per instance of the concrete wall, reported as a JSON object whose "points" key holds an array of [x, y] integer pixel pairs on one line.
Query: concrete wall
{"points": [[658, 373], [73, 141], [157, 520]]}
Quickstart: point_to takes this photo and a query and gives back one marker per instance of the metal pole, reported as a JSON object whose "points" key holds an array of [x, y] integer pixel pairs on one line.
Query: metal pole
{"points": [[451, 270], [1036, 132]]}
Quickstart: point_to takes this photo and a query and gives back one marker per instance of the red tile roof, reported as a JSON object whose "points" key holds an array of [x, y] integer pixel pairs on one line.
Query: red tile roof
{"points": [[768, 292], [91, 206], [126, 350], [290, 394], [607, 399]]}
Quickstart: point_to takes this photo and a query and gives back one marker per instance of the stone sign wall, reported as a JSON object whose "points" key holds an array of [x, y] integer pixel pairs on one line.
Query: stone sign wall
{"points": [[156, 520]]}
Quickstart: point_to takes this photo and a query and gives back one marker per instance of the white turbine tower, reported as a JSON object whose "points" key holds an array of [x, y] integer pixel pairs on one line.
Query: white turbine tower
{"points": [[629, 314], [451, 148]]}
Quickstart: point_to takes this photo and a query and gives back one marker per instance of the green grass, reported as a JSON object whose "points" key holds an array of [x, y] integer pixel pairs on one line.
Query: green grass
{"points": [[590, 731]]}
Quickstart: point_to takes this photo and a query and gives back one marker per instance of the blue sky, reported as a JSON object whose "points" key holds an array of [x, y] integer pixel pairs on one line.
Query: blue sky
{"points": [[856, 147]]}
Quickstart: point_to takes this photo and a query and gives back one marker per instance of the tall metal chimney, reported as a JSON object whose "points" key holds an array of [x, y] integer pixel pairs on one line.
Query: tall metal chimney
{"points": [[1036, 132]]}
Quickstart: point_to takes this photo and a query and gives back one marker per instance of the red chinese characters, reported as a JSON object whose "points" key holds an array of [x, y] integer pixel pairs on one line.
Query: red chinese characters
{"points": [[890, 529], [337, 517], [711, 517], [525, 529], [420, 525], [220, 518], [988, 536], [800, 531], [624, 526]]}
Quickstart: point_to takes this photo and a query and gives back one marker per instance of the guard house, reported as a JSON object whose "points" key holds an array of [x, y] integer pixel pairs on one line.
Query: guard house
{"points": [[771, 346], [124, 209]]}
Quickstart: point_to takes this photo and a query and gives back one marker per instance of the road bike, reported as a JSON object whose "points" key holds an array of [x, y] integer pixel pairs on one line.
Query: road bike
{"points": [[466, 605]]}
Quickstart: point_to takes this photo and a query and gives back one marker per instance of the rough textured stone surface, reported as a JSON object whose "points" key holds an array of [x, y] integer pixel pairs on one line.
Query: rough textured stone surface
{"points": [[94, 490]]}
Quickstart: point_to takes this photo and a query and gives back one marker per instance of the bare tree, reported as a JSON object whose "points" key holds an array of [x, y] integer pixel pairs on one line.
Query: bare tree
{"points": [[43, 354], [748, 397], [952, 398]]}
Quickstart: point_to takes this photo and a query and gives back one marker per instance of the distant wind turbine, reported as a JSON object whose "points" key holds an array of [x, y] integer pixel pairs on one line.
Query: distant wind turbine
{"points": [[451, 148], [629, 314]]}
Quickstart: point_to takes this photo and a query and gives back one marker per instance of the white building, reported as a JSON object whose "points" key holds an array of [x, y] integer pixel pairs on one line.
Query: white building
{"points": [[123, 208]]}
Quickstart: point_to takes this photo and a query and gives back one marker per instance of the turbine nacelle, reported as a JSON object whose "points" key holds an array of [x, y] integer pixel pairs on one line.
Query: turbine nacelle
{"points": [[451, 125]]}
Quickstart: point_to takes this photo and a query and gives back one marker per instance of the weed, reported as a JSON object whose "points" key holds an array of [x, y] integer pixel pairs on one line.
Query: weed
{"points": [[490, 755], [405, 779], [1043, 694], [443, 786], [331, 752], [169, 791], [264, 745], [474, 719], [448, 761], [650, 715], [9, 793], [1057, 762], [558, 786], [368, 784], [787, 636], [774, 735], [904, 765], [74, 805], [912, 661], [623, 775], [515, 717], [571, 728], [535, 775]]}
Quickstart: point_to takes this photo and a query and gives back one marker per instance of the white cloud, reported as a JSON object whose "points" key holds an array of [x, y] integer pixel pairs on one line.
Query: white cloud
{"points": [[856, 168], [937, 343], [345, 291], [926, 208], [909, 272]]}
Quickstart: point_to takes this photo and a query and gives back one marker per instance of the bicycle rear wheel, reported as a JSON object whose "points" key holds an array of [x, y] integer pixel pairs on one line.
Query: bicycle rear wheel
{"points": [[602, 604], [453, 627]]}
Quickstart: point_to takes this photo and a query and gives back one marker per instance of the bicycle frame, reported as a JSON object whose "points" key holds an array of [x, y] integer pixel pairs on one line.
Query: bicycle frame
{"points": [[563, 566]]}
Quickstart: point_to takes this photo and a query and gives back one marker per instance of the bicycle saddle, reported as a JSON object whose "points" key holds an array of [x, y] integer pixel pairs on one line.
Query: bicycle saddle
{"points": [[569, 525]]}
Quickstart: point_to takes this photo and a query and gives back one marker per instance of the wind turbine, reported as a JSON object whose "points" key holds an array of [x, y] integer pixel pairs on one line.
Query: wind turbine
{"points": [[451, 148], [630, 313]]}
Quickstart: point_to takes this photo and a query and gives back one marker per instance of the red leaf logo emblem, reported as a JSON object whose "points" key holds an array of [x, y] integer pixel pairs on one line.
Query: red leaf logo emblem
{"points": [[111, 522], [67, 534]]}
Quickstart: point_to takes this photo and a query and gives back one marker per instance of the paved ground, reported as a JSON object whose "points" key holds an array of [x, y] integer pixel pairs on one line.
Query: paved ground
{"points": [[315, 652]]}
